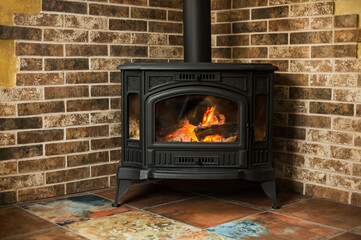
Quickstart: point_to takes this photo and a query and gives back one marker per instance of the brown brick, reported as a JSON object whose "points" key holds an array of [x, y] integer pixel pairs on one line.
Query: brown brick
{"points": [[86, 50], [20, 123], [348, 35], [309, 121], [41, 19], [86, 132], [289, 159], [289, 52], [289, 132], [332, 108], [326, 192], [311, 65], [145, 13], [116, 103], [288, 24], [72, 21], [281, 64], [21, 152], [41, 192], [356, 170], [221, 52], [109, 37], [355, 198], [67, 175], [250, 52], [165, 27], [130, 2], [149, 38], [352, 183], [115, 77], [106, 117], [106, 143], [7, 168], [233, 15], [16, 33], [101, 170], [127, 25], [246, 27], [38, 79], [7, 139], [115, 130], [175, 16], [358, 141], [129, 51], [345, 21], [289, 185], [335, 51], [235, 40], [166, 52], [106, 90], [327, 165], [325, 136], [348, 65], [115, 155], [41, 164], [305, 174], [66, 64], [40, 136], [155, 60], [86, 185], [86, 77], [310, 93], [334, 80], [87, 105], [65, 120], [352, 95], [279, 119], [67, 147], [248, 3], [176, 40], [66, 92], [222, 28], [36, 49], [312, 9], [86, 159], [21, 181], [269, 39], [346, 153], [31, 64], [166, 3], [347, 124], [7, 197], [280, 92], [270, 12], [40, 108], [108, 10], [321, 23], [308, 148], [64, 6], [65, 35], [7, 109], [282, 2], [220, 4], [107, 63], [20, 94], [311, 37], [358, 110]]}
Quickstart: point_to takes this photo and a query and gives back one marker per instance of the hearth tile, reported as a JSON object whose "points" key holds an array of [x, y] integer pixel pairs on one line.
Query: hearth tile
{"points": [[57, 233], [74, 209], [356, 230], [273, 227], [131, 225], [148, 195], [14, 220], [347, 236], [325, 212], [203, 212], [203, 235]]}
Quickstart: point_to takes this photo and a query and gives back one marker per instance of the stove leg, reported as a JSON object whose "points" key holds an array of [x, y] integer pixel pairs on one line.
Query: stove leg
{"points": [[122, 187], [269, 189]]}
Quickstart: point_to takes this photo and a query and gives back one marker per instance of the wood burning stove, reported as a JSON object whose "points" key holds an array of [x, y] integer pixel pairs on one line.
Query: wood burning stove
{"points": [[196, 120]]}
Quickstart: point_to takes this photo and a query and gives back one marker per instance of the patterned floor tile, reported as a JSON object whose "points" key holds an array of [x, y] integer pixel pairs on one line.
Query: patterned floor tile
{"points": [[74, 209], [356, 230], [203, 235], [131, 225], [326, 212], [203, 212], [269, 226], [14, 220], [347, 236], [57, 233]]}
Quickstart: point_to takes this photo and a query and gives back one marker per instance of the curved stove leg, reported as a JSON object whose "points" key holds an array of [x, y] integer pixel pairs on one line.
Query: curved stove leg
{"points": [[269, 188], [122, 187]]}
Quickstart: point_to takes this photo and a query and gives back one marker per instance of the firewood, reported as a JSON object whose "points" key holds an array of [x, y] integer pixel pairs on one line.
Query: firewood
{"points": [[225, 130]]}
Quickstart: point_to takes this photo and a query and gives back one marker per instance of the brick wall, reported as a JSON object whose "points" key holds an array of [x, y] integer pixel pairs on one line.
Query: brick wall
{"points": [[60, 125]]}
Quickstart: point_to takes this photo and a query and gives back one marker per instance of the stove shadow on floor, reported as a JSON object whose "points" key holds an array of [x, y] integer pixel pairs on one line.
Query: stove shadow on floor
{"points": [[175, 209]]}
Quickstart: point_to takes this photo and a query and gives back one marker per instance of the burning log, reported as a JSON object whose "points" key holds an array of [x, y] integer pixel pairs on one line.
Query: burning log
{"points": [[225, 130]]}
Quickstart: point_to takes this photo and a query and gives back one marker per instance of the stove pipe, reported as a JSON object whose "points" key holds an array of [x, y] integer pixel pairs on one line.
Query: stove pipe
{"points": [[197, 30]]}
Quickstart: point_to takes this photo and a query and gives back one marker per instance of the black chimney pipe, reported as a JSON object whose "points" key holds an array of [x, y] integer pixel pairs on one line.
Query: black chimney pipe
{"points": [[197, 30]]}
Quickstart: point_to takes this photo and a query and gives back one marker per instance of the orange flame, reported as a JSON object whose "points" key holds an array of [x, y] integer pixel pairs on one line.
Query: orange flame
{"points": [[213, 138], [185, 133]]}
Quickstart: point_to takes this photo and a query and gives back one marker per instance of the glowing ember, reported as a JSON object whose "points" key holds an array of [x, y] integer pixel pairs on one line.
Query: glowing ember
{"points": [[213, 138], [185, 133]]}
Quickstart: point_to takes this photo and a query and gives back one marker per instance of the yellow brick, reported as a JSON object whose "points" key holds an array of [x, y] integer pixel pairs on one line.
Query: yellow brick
{"points": [[8, 63]]}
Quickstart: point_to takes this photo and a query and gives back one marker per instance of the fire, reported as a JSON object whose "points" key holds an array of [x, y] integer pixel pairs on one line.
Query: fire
{"points": [[185, 133], [209, 118], [213, 138]]}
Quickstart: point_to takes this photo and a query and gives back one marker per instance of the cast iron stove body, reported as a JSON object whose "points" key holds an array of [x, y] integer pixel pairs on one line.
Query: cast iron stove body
{"points": [[196, 120]]}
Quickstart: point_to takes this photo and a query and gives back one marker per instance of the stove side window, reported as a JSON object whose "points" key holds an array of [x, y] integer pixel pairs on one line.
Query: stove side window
{"points": [[196, 118], [133, 116], [260, 123]]}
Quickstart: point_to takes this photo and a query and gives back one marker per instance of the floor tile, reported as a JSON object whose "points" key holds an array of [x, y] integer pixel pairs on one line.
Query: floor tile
{"points": [[73, 209], [356, 230], [14, 220], [203, 212], [347, 236], [203, 235], [326, 212], [256, 197], [269, 226], [57, 233], [131, 225], [147, 195]]}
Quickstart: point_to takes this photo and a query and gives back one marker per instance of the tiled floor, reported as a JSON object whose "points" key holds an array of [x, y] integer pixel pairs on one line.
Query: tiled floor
{"points": [[212, 210]]}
